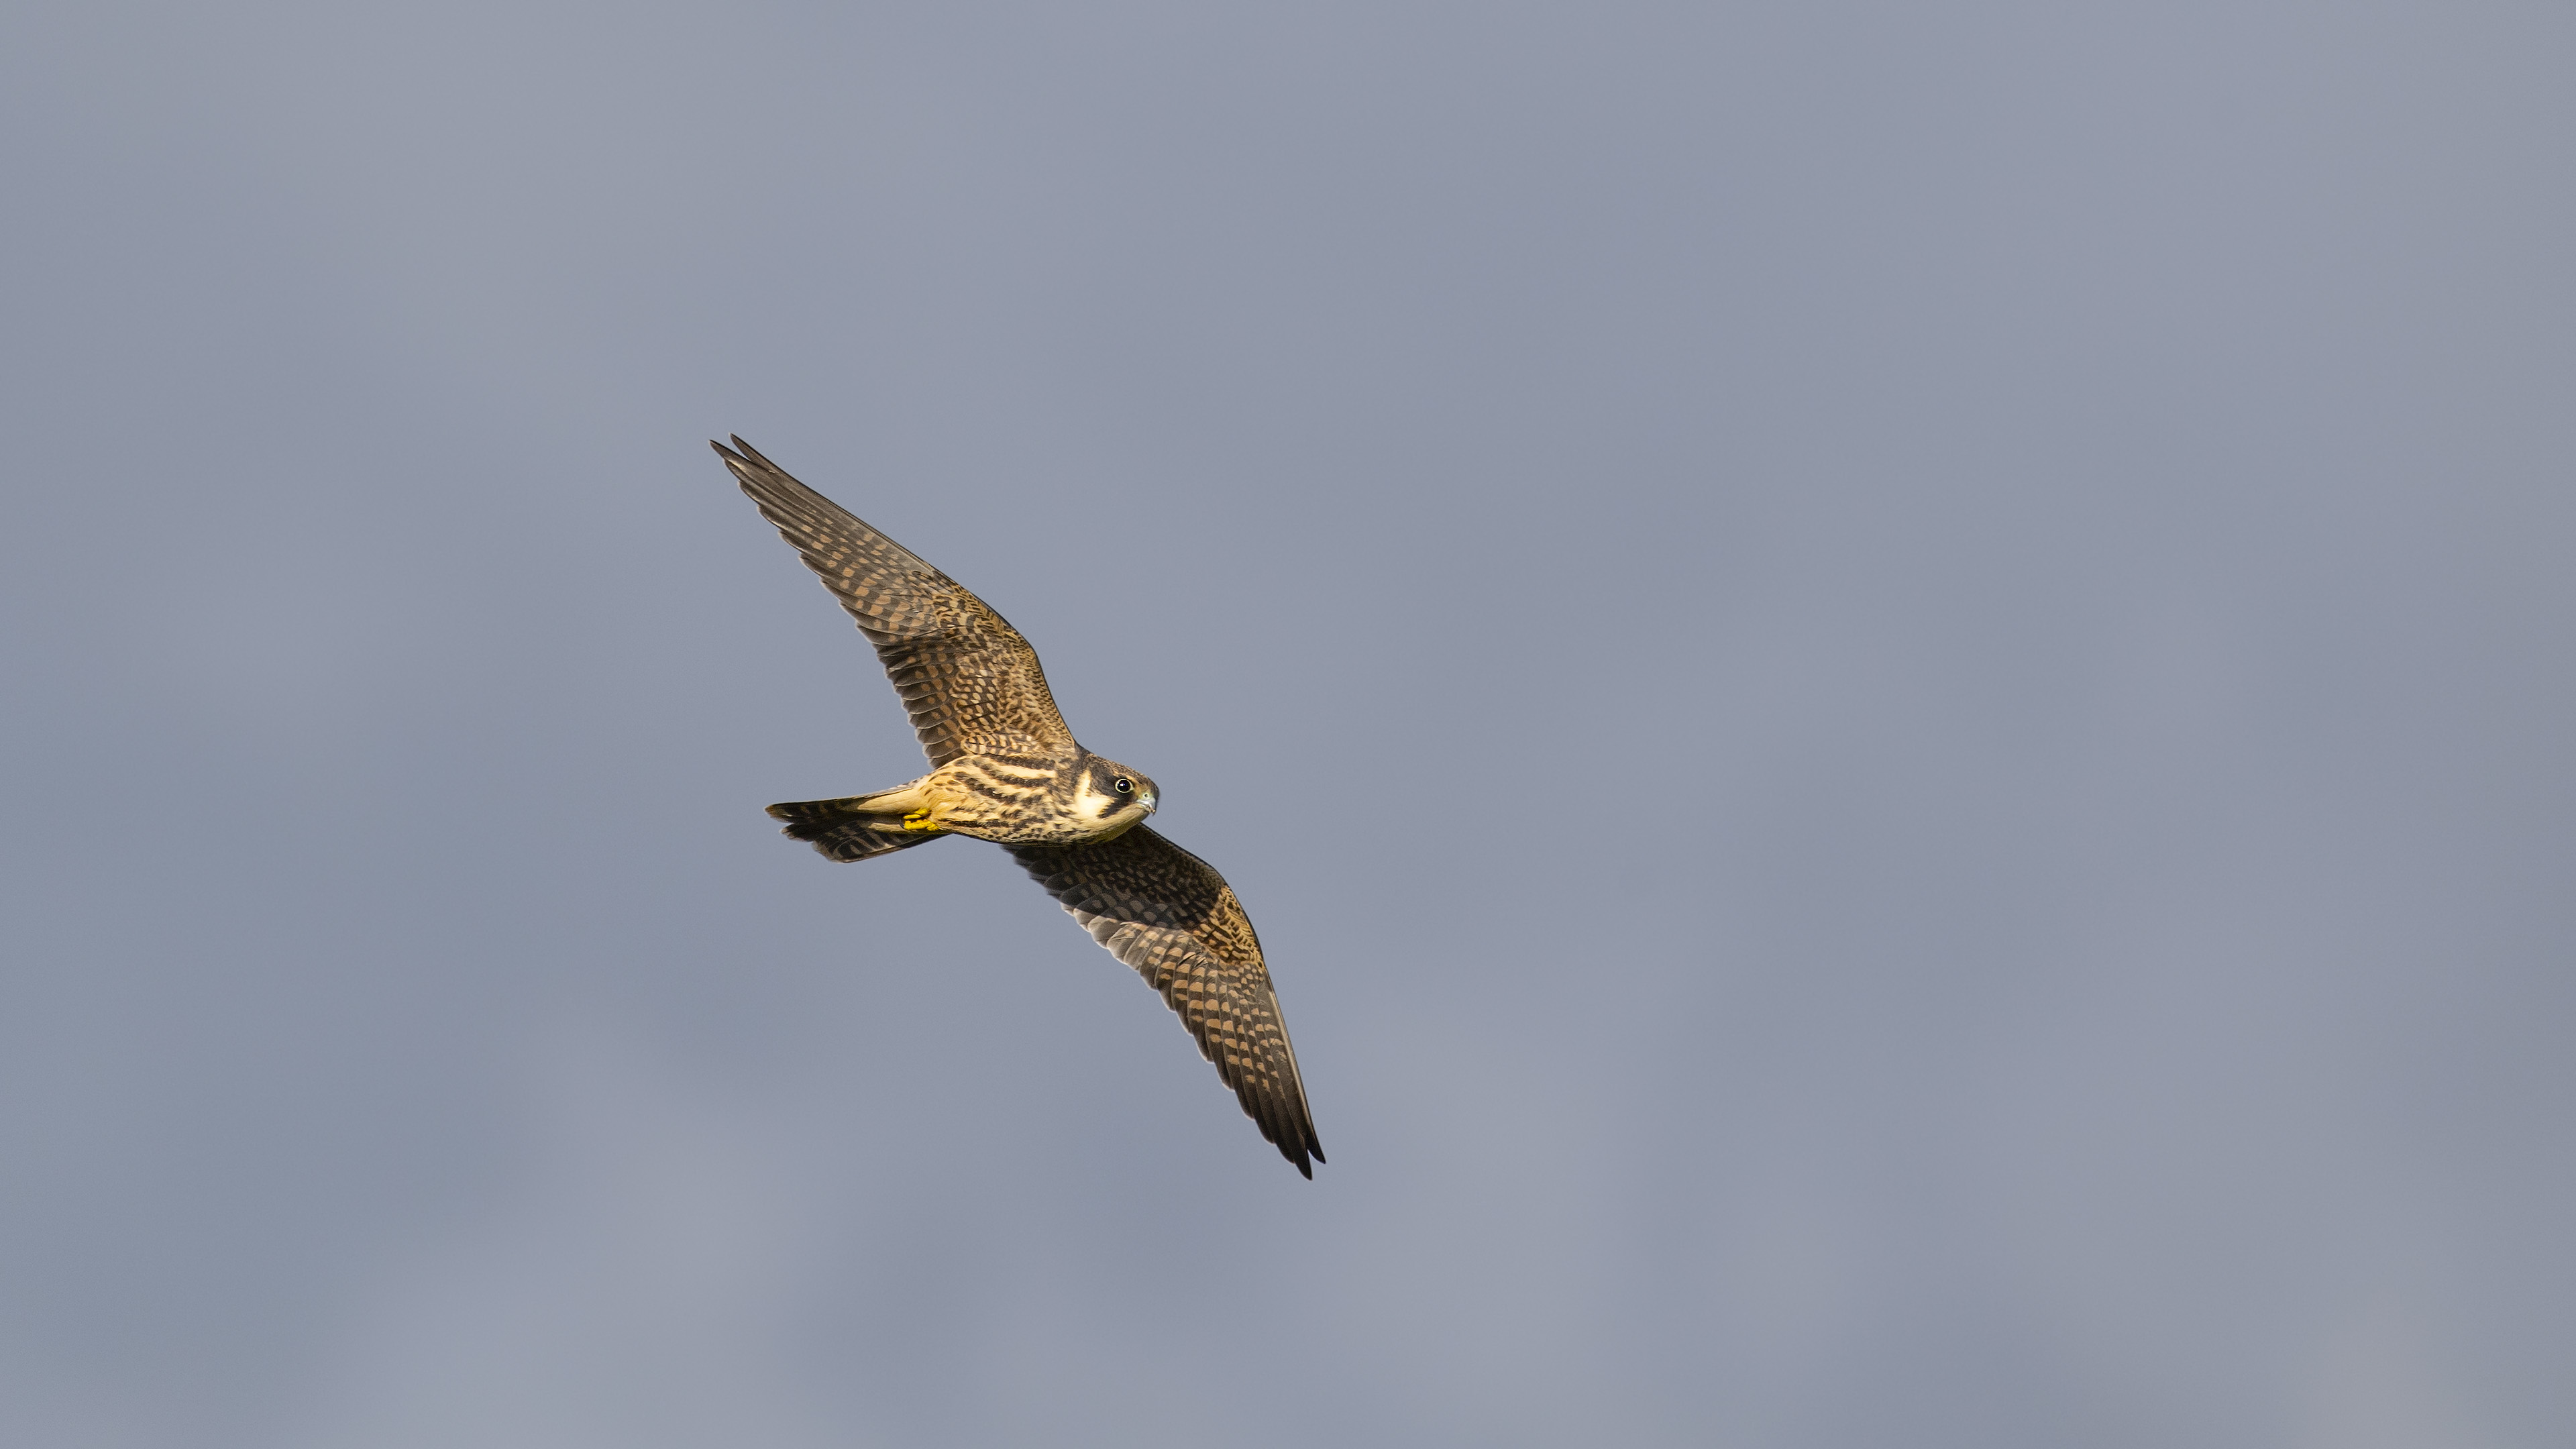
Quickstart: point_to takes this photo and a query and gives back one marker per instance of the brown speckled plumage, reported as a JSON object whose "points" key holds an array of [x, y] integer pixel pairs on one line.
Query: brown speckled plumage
{"points": [[1005, 769], [970, 682], [1168, 914]]}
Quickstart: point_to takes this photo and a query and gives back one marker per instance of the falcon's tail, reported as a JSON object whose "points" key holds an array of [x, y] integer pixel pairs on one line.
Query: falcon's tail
{"points": [[846, 830]]}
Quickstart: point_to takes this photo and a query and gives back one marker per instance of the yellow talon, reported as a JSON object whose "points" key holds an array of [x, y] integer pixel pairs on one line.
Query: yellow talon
{"points": [[919, 820]]}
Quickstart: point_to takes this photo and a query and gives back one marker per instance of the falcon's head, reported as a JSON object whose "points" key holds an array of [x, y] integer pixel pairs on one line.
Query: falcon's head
{"points": [[1112, 797]]}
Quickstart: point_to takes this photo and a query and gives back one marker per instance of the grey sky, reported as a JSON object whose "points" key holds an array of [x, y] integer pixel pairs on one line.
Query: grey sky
{"points": [[1893, 685]]}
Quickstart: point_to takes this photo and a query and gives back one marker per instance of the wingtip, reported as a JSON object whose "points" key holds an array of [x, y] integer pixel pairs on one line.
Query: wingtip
{"points": [[742, 455]]}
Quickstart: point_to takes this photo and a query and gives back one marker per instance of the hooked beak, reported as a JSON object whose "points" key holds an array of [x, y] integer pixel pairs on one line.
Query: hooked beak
{"points": [[1146, 800]]}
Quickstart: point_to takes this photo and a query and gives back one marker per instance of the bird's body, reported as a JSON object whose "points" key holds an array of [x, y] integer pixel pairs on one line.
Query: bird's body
{"points": [[1062, 797], [1004, 768]]}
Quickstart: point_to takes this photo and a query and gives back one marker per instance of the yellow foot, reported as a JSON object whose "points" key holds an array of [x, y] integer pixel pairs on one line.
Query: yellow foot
{"points": [[919, 820]]}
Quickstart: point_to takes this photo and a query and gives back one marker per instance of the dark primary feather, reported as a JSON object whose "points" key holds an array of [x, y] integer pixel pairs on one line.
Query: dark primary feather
{"points": [[1169, 915], [969, 681]]}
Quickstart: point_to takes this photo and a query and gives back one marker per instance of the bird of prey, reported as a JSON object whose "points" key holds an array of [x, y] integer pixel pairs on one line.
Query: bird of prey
{"points": [[1004, 768]]}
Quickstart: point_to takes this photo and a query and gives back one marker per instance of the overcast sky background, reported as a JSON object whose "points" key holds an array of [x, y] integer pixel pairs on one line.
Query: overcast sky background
{"points": [[1893, 685]]}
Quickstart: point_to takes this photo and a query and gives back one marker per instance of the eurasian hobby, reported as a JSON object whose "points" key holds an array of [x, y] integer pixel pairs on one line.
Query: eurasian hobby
{"points": [[1005, 769]]}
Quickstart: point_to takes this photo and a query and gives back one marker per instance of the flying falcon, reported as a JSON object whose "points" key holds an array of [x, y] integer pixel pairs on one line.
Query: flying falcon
{"points": [[1004, 768]]}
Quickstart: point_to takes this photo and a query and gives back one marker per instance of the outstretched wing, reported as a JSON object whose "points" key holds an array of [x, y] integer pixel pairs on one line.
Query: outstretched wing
{"points": [[970, 682], [1169, 914]]}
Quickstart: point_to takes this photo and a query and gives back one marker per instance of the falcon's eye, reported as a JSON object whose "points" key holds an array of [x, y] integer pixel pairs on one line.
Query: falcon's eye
{"points": [[1123, 785]]}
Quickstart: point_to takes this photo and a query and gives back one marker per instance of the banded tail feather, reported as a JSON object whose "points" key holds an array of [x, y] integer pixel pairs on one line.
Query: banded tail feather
{"points": [[845, 829]]}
